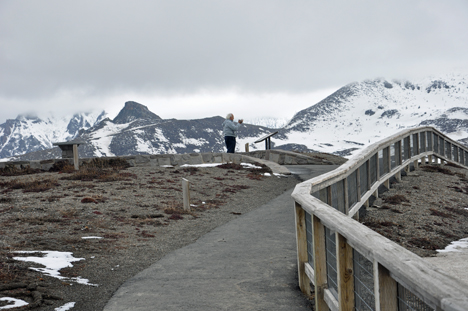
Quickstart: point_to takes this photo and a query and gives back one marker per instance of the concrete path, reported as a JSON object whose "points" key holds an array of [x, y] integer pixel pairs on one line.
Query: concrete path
{"points": [[246, 264]]}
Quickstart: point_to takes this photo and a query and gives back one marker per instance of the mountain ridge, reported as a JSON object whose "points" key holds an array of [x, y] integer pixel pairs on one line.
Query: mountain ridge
{"points": [[356, 115]]}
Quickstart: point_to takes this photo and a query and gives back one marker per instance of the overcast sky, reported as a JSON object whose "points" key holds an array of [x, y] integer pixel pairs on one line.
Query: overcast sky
{"points": [[194, 59]]}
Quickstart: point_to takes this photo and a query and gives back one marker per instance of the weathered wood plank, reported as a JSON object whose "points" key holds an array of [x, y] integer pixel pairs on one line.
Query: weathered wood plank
{"points": [[405, 267], [76, 162], [345, 273], [302, 257], [385, 289], [320, 264], [331, 301], [186, 193]]}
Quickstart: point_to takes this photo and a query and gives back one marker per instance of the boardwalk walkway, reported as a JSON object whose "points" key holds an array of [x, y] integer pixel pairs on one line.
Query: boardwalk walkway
{"points": [[246, 264]]}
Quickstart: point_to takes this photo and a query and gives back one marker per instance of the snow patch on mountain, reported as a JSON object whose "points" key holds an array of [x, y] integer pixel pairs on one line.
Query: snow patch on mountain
{"points": [[368, 111]]}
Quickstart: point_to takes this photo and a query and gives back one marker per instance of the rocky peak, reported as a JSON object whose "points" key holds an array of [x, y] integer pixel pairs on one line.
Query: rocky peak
{"points": [[133, 111]]}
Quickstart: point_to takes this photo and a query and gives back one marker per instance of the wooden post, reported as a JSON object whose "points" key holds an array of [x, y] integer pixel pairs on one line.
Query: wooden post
{"points": [[345, 273], [246, 147], [186, 193], [398, 175], [388, 159], [75, 157], [385, 289], [302, 256], [320, 264]]}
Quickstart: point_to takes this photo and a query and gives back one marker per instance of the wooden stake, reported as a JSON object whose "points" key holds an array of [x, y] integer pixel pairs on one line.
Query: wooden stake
{"points": [[75, 157], [186, 193]]}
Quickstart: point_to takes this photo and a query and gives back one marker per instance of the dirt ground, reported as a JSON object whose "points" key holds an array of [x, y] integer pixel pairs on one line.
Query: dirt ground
{"points": [[115, 220], [424, 212]]}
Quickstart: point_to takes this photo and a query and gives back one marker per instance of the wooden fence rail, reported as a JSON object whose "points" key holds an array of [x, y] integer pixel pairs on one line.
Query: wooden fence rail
{"points": [[351, 266]]}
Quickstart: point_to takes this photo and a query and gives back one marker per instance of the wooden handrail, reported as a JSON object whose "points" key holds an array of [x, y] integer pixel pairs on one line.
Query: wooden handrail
{"points": [[393, 264]]}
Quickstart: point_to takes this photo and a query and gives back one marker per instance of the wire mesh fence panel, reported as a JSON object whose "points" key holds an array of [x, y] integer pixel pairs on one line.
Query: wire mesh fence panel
{"points": [[436, 143], [407, 301], [338, 196], [373, 168], [352, 189], [455, 153], [415, 144], [381, 163], [323, 195], [310, 240], [334, 196], [422, 142], [404, 154], [316, 195], [441, 146], [332, 275], [430, 146], [448, 150], [364, 298], [407, 151], [363, 177], [398, 154], [392, 157]]}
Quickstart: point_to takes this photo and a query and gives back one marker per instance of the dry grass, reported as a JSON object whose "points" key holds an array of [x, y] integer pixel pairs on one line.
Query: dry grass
{"points": [[34, 185], [395, 199], [11, 170], [436, 169]]}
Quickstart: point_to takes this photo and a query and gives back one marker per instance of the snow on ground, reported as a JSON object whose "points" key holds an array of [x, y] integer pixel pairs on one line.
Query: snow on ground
{"points": [[53, 261], [245, 165], [13, 303], [456, 246], [65, 307]]}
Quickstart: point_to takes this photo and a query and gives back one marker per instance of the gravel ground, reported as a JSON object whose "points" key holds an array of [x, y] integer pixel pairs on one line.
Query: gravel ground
{"points": [[136, 211], [424, 212]]}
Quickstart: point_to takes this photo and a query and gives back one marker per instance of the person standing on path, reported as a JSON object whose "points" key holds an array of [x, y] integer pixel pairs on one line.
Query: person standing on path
{"points": [[229, 131]]}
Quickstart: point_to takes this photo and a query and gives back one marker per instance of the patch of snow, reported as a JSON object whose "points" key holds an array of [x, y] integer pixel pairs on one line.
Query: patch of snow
{"points": [[91, 237], [201, 165], [53, 261], [66, 307], [16, 303], [455, 246], [102, 138], [250, 165]]}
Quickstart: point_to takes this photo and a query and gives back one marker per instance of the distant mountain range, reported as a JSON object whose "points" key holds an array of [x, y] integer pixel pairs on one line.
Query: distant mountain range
{"points": [[356, 115]]}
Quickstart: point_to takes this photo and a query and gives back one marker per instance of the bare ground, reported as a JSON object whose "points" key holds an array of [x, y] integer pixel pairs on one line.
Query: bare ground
{"points": [[424, 212], [138, 212]]}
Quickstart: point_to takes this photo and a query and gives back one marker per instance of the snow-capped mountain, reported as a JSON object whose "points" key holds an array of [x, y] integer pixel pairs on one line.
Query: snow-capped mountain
{"points": [[31, 133], [353, 117], [273, 123], [362, 113]]}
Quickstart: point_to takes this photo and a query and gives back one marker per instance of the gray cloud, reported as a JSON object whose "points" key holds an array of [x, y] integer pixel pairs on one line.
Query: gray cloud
{"points": [[101, 48]]}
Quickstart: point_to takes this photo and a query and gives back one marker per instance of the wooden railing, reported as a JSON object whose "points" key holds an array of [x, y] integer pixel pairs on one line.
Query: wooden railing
{"points": [[351, 266]]}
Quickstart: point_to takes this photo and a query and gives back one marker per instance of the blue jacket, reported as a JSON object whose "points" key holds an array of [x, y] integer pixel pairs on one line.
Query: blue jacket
{"points": [[230, 128]]}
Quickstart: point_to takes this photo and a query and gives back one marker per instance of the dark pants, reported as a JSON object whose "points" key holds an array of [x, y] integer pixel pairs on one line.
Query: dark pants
{"points": [[230, 143]]}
